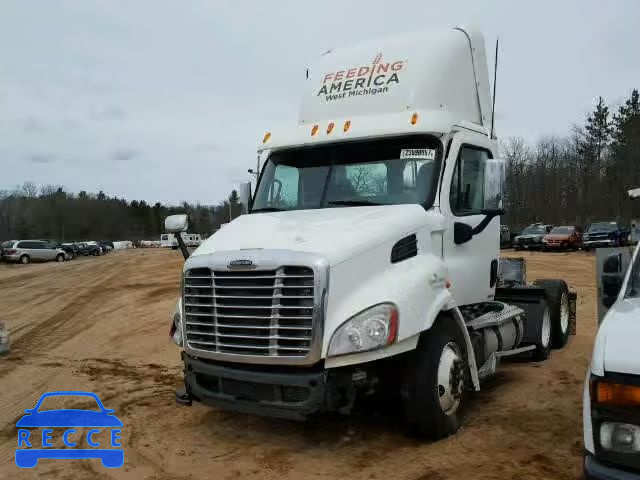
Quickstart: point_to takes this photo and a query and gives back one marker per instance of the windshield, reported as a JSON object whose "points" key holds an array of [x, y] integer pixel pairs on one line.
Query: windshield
{"points": [[562, 230], [606, 226], [533, 231], [378, 172]]}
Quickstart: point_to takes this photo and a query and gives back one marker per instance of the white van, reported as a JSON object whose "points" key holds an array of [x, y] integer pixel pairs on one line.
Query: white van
{"points": [[611, 406]]}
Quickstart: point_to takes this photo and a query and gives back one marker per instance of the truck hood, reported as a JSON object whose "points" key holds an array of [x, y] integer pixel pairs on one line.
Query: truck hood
{"points": [[335, 233], [620, 331]]}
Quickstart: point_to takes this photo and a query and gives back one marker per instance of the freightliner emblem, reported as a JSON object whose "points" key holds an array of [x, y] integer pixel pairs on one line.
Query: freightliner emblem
{"points": [[241, 263]]}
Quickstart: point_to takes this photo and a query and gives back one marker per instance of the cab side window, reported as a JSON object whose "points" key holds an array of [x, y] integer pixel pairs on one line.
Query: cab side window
{"points": [[467, 186]]}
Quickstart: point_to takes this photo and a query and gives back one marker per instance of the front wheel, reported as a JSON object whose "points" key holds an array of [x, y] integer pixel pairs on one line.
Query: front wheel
{"points": [[433, 386], [60, 258]]}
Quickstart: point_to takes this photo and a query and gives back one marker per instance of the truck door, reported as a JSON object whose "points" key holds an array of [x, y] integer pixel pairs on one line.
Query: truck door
{"points": [[465, 191]]}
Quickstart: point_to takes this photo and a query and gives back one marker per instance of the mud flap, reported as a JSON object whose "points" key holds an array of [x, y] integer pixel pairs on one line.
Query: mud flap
{"points": [[573, 300]]}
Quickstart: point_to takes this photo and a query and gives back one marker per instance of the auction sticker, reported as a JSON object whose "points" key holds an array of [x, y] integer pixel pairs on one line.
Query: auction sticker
{"points": [[417, 154]]}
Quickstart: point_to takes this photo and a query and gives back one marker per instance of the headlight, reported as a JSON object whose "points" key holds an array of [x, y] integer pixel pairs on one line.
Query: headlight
{"points": [[611, 394], [175, 331], [372, 328], [620, 437]]}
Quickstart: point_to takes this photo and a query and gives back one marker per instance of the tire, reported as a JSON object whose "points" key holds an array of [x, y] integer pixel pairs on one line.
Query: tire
{"points": [[60, 258], [557, 294], [431, 409], [543, 345], [24, 259]]}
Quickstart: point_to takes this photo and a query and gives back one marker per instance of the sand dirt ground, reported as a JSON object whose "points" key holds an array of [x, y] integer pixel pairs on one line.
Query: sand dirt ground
{"points": [[101, 324]]}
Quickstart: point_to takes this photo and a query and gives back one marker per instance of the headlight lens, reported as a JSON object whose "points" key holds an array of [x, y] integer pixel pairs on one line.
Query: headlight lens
{"points": [[373, 328], [620, 437], [175, 331]]}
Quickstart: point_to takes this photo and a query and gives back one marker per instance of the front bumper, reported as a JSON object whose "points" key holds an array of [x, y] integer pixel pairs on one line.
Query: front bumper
{"points": [[594, 470], [282, 392], [528, 245], [598, 243]]}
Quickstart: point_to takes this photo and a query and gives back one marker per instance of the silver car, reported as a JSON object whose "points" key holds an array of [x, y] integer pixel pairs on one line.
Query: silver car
{"points": [[26, 251]]}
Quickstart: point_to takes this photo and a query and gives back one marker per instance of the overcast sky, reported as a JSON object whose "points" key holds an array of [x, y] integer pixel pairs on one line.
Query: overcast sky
{"points": [[165, 101]]}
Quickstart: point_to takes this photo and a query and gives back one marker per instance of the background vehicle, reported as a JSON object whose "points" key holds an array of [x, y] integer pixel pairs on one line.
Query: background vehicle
{"points": [[612, 387], [71, 248], [605, 234], [70, 252], [88, 249], [347, 277], [563, 238], [190, 240], [26, 251], [531, 237]]}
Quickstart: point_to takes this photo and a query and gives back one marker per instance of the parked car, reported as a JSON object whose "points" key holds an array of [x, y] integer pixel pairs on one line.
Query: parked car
{"points": [[562, 238], [605, 234], [88, 249], [106, 246], [531, 237], [26, 251], [71, 248], [70, 252]]}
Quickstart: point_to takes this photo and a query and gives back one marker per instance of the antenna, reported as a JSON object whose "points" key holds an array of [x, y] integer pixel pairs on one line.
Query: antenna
{"points": [[495, 75]]}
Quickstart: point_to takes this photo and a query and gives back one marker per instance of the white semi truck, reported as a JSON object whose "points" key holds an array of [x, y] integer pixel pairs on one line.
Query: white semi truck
{"points": [[369, 257]]}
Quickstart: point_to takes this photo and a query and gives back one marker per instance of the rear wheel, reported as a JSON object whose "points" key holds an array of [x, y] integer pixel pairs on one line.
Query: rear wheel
{"points": [[557, 295], [433, 385], [24, 259]]}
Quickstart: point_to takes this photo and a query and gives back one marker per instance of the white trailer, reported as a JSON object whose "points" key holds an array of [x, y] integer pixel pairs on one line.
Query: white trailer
{"points": [[369, 260], [169, 240]]}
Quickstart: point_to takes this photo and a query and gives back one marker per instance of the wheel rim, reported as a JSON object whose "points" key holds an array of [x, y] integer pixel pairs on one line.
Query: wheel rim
{"points": [[564, 313], [450, 379], [545, 334], [60, 258], [25, 260]]}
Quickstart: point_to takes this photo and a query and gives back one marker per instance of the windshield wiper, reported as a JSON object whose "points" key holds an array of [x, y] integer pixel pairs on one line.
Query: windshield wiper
{"points": [[268, 209], [355, 203]]}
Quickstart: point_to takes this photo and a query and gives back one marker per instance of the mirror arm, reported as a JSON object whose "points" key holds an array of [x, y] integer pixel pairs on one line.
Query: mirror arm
{"points": [[183, 247], [489, 215]]}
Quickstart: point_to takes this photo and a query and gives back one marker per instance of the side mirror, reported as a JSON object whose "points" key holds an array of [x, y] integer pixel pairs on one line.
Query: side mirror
{"points": [[462, 233], [244, 194], [612, 278], [176, 223], [494, 185]]}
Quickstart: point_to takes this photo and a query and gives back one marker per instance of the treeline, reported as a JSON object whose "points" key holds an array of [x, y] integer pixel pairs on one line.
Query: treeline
{"points": [[579, 178], [51, 212], [560, 180]]}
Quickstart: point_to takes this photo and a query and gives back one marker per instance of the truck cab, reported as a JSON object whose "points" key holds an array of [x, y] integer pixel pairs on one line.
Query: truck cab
{"points": [[611, 406], [368, 257]]}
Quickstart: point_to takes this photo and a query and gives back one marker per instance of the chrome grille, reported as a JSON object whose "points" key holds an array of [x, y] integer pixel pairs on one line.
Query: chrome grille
{"points": [[250, 312]]}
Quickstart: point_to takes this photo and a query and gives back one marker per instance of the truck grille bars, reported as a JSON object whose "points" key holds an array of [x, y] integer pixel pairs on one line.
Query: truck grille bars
{"points": [[267, 313]]}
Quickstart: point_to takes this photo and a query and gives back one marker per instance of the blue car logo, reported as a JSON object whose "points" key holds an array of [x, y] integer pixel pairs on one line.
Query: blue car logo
{"points": [[29, 452]]}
